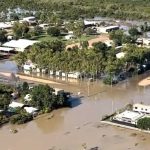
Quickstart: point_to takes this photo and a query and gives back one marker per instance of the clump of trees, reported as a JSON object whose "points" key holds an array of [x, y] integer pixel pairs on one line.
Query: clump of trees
{"points": [[81, 8], [144, 123], [5, 96], [3, 37], [20, 29], [21, 117], [53, 31], [99, 59], [44, 98], [120, 38]]}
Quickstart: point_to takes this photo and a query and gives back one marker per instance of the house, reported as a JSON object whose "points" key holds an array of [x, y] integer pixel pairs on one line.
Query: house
{"points": [[59, 73], [141, 108], [29, 65], [31, 110], [58, 91], [74, 75], [5, 25], [139, 41], [16, 104], [6, 50], [20, 45], [44, 26], [107, 29], [30, 20], [146, 41], [128, 117], [91, 22], [51, 72]]}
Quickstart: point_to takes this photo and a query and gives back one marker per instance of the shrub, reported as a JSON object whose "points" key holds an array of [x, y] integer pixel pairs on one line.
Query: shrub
{"points": [[144, 123], [21, 118], [53, 31], [110, 80], [3, 119]]}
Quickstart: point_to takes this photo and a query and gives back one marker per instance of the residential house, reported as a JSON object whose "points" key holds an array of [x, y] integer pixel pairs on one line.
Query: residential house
{"points": [[20, 45], [141, 108]]}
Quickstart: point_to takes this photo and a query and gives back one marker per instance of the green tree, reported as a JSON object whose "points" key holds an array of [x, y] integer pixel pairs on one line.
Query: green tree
{"points": [[144, 123], [20, 29], [53, 31], [37, 30], [3, 37], [25, 87], [4, 101], [100, 47], [117, 37], [134, 32], [84, 44], [20, 58], [89, 31]]}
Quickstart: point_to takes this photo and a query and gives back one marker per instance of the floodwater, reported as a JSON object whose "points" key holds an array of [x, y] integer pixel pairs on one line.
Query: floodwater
{"points": [[70, 128], [8, 66]]}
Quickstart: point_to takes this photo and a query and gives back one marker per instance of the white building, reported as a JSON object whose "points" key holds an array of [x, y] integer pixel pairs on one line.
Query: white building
{"points": [[58, 91], [146, 41], [51, 72], [30, 110], [129, 117], [30, 19], [91, 22], [141, 108], [5, 25], [6, 49], [16, 104], [29, 65], [44, 26], [20, 45], [74, 75], [107, 29], [59, 73]]}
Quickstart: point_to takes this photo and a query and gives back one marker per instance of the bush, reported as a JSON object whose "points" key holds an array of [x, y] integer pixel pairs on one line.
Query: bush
{"points": [[144, 123], [21, 118], [110, 80], [53, 31], [3, 119]]}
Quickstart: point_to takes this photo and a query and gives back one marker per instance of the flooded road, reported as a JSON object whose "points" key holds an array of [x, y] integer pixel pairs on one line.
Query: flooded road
{"points": [[71, 127]]}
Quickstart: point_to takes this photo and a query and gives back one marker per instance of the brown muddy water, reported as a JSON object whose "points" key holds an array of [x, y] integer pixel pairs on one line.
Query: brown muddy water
{"points": [[70, 128]]}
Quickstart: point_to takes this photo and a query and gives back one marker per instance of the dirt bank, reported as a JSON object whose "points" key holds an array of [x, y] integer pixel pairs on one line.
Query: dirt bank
{"points": [[100, 38], [144, 82]]}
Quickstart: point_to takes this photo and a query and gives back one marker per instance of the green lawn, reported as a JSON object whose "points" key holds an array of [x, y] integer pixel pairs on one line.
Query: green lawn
{"points": [[83, 38], [45, 37]]}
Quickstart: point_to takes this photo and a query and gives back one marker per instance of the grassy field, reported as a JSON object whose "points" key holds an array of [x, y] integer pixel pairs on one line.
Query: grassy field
{"points": [[46, 37]]}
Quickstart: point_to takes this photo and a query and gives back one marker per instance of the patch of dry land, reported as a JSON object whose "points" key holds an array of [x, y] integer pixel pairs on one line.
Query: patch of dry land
{"points": [[144, 82], [100, 38]]}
